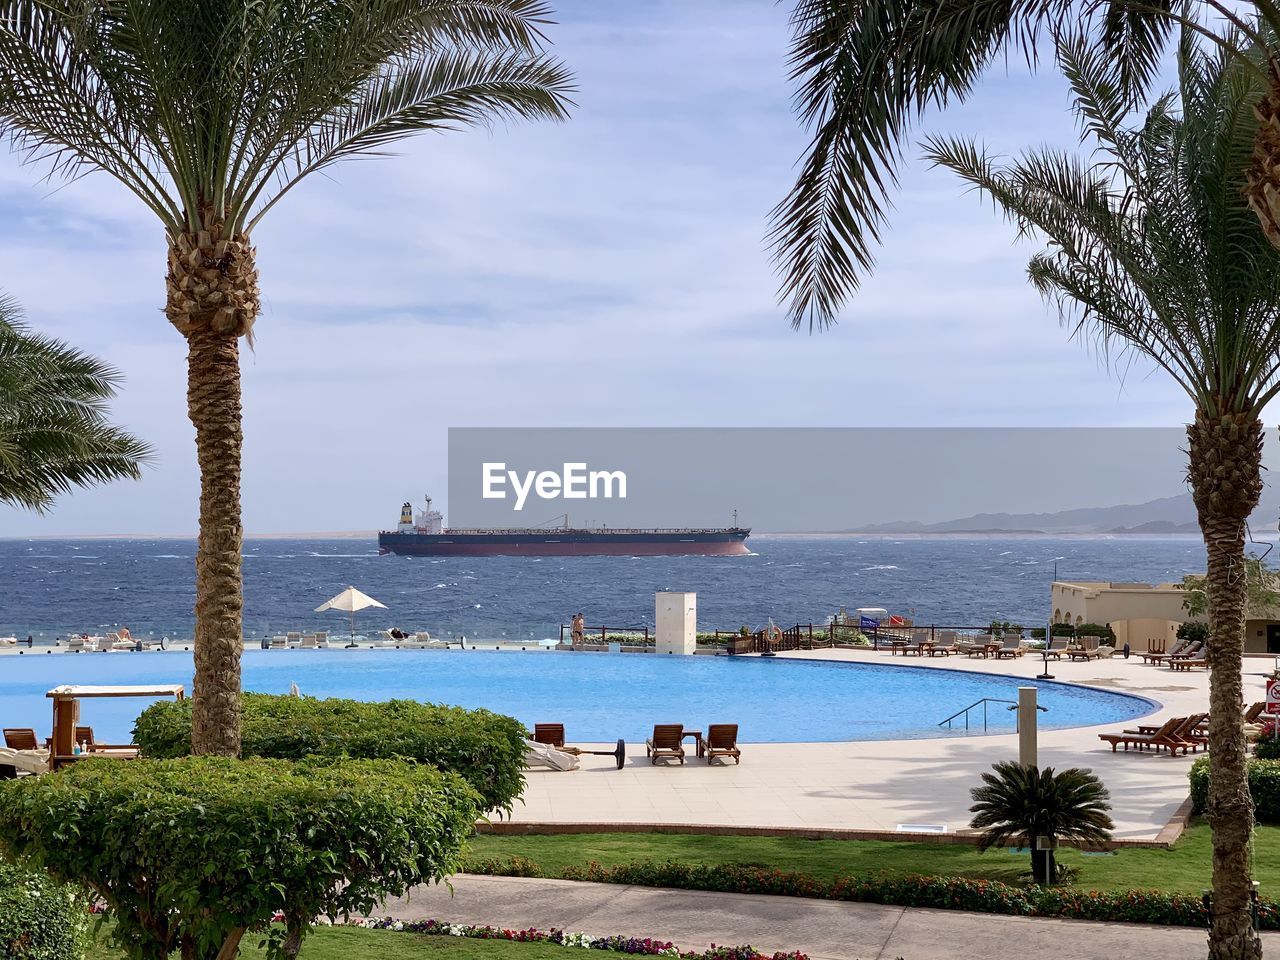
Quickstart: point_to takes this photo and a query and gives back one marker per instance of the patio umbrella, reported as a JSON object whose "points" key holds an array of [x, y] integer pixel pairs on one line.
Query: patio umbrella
{"points": [[350, 600]]}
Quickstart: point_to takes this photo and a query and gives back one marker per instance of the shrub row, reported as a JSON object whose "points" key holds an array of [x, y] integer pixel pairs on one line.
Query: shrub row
{"points": [[40, 919], [193, 853], [1264, 785], [946, 893], [642, 946], [486, 749]]}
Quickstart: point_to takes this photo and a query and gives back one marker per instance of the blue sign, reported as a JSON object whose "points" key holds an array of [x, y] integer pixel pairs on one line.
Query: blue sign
{"points": [[868, 623]]}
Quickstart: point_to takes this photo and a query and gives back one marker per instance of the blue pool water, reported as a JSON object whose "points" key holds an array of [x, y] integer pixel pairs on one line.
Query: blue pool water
{"points": [[599, 697]]}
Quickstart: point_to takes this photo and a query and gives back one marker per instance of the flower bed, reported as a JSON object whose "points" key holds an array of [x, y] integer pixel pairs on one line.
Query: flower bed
{"points": [[946, 893], [645, 946]]}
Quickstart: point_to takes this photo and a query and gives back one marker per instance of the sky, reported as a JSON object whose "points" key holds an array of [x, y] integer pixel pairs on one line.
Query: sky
{"points": [[608, 271]]}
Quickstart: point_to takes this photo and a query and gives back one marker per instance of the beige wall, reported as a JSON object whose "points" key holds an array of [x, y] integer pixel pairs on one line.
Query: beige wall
{"points": [[1138, 612], [1255, 635], [1106, 602], [1139, 632]]}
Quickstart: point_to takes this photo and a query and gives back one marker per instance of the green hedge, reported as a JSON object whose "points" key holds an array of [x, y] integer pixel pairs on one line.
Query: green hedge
{"points": [[1264, 785], [945, 893], [195, 853], [41, 919], [486, 749]]}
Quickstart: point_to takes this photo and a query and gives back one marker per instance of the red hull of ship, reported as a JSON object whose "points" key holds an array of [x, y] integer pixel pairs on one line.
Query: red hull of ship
{"points": [[725, 549]]}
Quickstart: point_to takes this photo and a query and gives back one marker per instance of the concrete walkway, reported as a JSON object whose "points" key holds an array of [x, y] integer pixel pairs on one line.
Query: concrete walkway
{"points": [[819, 928], [888, 784]]}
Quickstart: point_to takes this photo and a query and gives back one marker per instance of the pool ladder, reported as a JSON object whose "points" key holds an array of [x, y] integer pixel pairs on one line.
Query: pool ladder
{"points": [[983, 704]]}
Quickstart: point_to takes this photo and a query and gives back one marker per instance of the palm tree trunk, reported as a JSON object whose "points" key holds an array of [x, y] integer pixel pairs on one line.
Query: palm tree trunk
{"points": [[1226, 481], [213, 301]]}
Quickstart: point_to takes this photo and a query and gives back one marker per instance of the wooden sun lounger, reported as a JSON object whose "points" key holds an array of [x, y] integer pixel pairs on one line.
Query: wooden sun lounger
{"points": [[1011, 647], [1255, 710], [1163, 737], [1057, 647], [722, 741], [549, 733], [20, 738], [1179, 663], [1188, 732], [666, 743]]}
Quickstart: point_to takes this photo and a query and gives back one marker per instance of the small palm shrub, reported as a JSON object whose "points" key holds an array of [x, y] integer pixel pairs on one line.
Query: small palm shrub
{"points": [[1018, 804]]}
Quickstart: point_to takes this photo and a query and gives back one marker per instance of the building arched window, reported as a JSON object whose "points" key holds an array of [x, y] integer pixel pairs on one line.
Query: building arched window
{"points": [[1057, 616]]}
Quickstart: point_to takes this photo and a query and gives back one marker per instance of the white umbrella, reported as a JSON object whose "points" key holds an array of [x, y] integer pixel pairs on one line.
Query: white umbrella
{"points": [[350, 600]]}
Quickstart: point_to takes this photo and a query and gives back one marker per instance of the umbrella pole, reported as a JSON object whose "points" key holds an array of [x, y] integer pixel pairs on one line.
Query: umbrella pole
{"points": [[353, 630]]}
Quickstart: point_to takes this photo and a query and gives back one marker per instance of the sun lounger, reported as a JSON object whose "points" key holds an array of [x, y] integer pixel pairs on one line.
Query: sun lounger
{"points": [[1255, 711], [308, 642], [666, 743], [1010, 646], [722, 741], [1057, 647], [1189, 731], [552, 733], [20, 738], [1180, 663], [279, 642], [1164, 737], [1088, 649], [1192, 651]]}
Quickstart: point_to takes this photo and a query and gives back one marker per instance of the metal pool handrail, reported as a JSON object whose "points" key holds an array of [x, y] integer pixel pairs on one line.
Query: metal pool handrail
{"points": [[982, 703]]}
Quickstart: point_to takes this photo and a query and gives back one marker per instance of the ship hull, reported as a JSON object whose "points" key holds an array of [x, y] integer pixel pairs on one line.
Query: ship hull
{"points": [[725, 543]]}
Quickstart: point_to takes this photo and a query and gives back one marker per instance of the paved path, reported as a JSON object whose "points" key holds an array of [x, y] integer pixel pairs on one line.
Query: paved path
{"points": [[821, 928]]}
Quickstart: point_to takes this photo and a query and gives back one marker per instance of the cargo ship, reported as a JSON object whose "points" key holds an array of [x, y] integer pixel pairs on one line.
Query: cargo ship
{"points": [[426, 536]]}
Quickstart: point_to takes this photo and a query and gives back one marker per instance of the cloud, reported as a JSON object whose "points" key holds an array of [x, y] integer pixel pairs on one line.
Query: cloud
{"points": [[610, 270]]}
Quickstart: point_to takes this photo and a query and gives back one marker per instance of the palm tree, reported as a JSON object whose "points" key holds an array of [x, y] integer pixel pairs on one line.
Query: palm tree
{"points": [[1152, 249], [54, 433], [210, 112], [1028, 805]]}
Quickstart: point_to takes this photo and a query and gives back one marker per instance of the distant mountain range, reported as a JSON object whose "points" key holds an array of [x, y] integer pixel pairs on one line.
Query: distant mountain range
{"points": [[1163, 516]]}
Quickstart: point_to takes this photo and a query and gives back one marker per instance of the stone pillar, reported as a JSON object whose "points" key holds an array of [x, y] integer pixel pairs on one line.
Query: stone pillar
{"points": [[1027, 723], [676, 617]]}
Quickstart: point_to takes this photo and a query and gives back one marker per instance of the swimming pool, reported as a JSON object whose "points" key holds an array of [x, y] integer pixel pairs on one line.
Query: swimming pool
{"points": [[599, 697]]}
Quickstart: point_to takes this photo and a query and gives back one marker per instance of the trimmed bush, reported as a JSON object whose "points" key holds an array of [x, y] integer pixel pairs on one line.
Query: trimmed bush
{"points": [[943, 893], [1264, 786], [486, 749], [1193, 630], [194, 853], [41, 919], [1268, 748]]}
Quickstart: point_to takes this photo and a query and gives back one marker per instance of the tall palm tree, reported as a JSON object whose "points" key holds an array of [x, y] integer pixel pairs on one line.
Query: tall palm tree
{"points": [[210, 112], [1023, 804], [54, 432], [1152, 248]]}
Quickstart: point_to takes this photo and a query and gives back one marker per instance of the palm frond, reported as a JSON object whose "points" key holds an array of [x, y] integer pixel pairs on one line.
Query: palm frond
{"points": [[210, 111], [54, 431], [864, 72], [1151, 247]]}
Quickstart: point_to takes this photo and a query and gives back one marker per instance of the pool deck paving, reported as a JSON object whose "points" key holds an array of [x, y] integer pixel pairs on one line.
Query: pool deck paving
{"points": [[820, 928], [878, 786]]}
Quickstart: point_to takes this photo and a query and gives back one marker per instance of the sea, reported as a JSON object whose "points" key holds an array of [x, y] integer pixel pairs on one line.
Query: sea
{"points": [[53, 588]]}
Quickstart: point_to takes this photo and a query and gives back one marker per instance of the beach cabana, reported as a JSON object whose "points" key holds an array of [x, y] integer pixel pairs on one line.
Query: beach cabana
{"points": [[66, 716]]}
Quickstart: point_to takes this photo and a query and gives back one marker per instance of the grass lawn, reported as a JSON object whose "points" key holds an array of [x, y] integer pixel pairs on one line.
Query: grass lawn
{"points": [[1185, 868], [348, 943]]}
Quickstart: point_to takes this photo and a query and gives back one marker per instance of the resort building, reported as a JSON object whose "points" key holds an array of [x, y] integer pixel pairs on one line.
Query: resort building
{"points": [[1142, 612]]}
